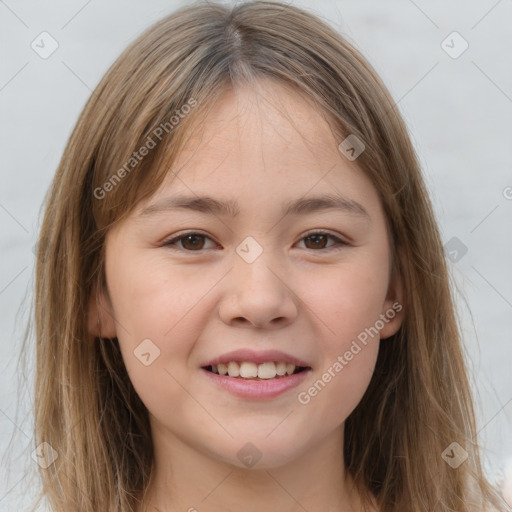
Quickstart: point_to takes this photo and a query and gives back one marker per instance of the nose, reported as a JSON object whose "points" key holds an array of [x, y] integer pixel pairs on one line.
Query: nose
{"points": [[258, 295]]}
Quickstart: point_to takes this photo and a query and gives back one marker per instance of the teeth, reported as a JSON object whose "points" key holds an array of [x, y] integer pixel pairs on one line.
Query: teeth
{"points": [[280, 368], [267, 370], [233, 369], [248, 370]]}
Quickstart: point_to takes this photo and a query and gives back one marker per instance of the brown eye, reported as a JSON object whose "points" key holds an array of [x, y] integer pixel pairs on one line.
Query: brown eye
{"points": [[319, 240], [193, 242], [189, 242]]}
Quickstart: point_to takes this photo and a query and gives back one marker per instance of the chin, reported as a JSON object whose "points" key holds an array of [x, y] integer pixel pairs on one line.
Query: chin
{"points": [[263, 452]]}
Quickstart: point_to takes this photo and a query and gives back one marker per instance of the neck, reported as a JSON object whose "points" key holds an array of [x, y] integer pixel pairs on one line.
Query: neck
{"points": [[187, 480]]}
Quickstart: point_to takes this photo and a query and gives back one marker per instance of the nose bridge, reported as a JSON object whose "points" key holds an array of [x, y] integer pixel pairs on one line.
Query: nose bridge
{"points": [[256, 265], [257, 292]]}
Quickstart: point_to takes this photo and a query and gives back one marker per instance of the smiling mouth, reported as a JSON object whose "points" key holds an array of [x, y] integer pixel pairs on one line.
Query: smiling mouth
{"points": [[252, 371]]}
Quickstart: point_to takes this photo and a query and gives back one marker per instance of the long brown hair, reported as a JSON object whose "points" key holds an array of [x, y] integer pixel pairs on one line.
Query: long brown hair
{"points": [[418, 402]]}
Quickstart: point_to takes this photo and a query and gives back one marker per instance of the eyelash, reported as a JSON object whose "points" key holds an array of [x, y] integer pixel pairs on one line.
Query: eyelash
{"points": [[339, 242]]}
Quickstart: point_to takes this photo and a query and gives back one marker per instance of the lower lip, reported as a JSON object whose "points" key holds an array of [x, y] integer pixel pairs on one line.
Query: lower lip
{"points": [[257, 389]]}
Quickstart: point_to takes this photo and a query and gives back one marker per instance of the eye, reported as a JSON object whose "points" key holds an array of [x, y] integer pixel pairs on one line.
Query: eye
{"points": [[194, 242], [318, 239], [190, 241]]}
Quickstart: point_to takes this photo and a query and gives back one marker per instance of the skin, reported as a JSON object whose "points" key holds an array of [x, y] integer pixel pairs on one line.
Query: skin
{"points": [[261, 146]]}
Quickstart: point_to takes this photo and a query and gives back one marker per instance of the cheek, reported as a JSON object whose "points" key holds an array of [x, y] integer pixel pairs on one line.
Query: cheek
{"points": [[343, 377], [347, 299], [152, 300], [332, 397], [347, 302], [159, 316]]}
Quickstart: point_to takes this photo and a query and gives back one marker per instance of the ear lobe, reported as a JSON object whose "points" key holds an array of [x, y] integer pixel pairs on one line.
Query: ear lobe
{"points": [[100, 321], [393, 311]]}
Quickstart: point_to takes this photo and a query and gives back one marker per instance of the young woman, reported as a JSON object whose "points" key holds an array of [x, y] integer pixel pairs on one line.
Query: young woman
{"points": [[242, 300]]}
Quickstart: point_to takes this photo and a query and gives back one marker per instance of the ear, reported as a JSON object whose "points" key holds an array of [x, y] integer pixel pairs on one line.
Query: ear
{"points": [[100, 321], [393, 310]]}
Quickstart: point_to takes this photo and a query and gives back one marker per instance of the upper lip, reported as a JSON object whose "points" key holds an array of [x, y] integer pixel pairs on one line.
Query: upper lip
{"points": [[256, 357]]}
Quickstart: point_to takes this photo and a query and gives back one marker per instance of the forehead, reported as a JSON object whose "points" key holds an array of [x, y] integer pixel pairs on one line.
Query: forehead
{"points": [[261, 143], [265, 120], [266, 116]]}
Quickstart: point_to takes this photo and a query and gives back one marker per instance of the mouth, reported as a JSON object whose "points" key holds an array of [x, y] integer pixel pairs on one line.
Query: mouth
{"points": [[246, 370], [256, 375], [256, 381]]}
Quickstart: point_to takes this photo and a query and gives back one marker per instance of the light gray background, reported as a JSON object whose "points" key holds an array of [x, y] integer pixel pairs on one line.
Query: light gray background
{"points": [[459, 111]]}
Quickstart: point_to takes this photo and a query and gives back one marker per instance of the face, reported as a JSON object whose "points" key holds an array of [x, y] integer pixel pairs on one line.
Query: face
{"points": [[255, 287]]}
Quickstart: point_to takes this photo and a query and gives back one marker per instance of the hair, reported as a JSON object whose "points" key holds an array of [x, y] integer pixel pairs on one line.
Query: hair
{"points": [[419, 399]]}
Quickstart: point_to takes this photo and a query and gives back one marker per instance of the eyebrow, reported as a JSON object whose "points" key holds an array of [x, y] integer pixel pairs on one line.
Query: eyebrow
{"points": [[301, 206]]}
